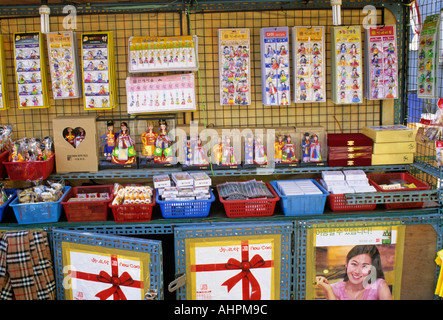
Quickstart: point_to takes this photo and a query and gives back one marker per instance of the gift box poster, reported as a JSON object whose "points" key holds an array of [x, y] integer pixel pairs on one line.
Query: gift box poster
{"points": [[104, 273], [240, 268]]}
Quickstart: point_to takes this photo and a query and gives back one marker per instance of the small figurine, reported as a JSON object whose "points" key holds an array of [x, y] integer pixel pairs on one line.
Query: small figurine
{"points": [[148, 139], [69, 136], [200, 157], [278, 147], [109, 140], [79, 137], [249, 150], [124, 151], [289, 151], [305, 145], [163, 152], [260, 156], [228, 157], [315, 149], [188, 151]]}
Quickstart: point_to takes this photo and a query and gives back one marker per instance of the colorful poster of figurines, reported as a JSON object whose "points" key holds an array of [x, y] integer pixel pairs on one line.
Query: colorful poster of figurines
{"points": [[347, 65], [274, 43], [234, 66], [151, 54], [30, 67], [160, 94], [98, 69], [309, 60], [428, 60], [381, 72], [63, 64]]}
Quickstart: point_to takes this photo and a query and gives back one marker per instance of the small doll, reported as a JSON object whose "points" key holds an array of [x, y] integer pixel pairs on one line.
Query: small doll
{"points": [[315, 149], [228, 156], [249, 150], [163, 152], [289, 151], [124, 150], [278, 149], [148, 140], [188, 152], [79, 137], [305, 145], [199, 154], [69, 136], [260, 156], [109, 140]]}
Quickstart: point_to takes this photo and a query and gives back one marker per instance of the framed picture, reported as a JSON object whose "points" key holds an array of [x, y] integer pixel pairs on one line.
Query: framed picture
{"points": [[354, 262]]}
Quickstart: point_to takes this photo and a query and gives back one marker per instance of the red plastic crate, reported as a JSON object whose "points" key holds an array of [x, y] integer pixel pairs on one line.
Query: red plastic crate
{"points": [[29, 170], [385, 178], [88, 210], [250, 207], [133, 212]]}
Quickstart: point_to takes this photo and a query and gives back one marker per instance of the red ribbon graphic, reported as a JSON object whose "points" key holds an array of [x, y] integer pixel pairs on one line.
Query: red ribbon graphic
{"points": [[245, 274], [125, 279]]}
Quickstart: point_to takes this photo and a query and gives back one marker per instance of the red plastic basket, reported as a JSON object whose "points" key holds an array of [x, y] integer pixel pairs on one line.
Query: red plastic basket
{"points": [[29, 170], [88, 210], [133, 212], [251, 207], [386, 178], [3, 157], [337, 202]]}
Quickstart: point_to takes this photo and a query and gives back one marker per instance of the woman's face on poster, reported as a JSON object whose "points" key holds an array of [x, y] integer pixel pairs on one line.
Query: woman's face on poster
{"points": [[358, 268]]}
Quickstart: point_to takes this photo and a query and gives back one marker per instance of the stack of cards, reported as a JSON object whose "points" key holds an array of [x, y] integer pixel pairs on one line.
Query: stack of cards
{"points": [[348, 181], [347, 65], [152, 54], [297, 187], [63, 64], [185, 186], [428, 58], [234, 66], [274, 45], [381, 68], [309, 64], [98, 71], [30, 70], [161, 94]]}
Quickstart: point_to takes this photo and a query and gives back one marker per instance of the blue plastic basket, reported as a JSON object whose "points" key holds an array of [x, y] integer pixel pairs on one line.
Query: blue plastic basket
{"points": [[11, 193], [302, 204], [185, 208], [42, 212]]}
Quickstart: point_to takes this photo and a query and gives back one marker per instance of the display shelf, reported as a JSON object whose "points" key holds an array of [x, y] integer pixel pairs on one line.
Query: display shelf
{"points": [[149, 173]]}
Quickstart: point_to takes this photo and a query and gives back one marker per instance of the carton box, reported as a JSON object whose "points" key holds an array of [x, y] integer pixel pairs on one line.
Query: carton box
{"points": [[395, 147], [75, 144], [392, 158]]}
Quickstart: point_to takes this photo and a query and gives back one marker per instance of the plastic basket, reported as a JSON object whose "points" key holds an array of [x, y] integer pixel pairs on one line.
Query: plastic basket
{"points": [[185, 208], [42, 212], [30, 170], [3, 157], [302, 204], [133, 212], [385, 178], [250, 207], [11, 194], [88, 210]]}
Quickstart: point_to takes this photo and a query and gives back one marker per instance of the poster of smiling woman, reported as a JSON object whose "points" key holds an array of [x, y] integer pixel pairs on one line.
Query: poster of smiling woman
{"points": [[354, 262]]}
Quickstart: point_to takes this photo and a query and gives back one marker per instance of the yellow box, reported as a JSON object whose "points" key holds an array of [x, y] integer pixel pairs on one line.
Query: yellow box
{"points": [[393, 133], [393, 158], [394, 147]]}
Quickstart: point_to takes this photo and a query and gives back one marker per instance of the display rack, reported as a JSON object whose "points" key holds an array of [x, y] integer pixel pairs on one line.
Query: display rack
{"points": [[204, 18]]}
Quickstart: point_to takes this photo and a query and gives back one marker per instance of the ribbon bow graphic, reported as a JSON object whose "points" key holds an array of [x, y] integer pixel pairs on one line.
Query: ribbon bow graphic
{"points": [[124, 280]]}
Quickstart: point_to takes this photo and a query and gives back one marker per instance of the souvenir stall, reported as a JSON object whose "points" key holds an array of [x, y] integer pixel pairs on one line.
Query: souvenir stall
{"points": [[224, 151]]}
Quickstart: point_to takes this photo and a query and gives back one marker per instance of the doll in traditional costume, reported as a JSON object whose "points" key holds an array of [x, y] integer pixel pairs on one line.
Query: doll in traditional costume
{"points": [[69, 136], [278, 147], [315, 149], [79, 137], [163, 152], [228, 157], [124, 150], [148, 140], [260, 156], [249, 150], [109, 140], [305, 146], [200, 158], [289, 151]]}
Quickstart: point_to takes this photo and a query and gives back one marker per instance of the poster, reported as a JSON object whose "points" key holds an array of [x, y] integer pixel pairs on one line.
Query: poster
{"points": [[309, 60], [234, 66], [367, 259]]}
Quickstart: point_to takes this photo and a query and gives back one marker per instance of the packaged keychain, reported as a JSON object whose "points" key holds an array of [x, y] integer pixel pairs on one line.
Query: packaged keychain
{"points": [[381, 68], [63, 64], [234, 66], [98, 71], [30, 70], [274, 44], [309, 64]]}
